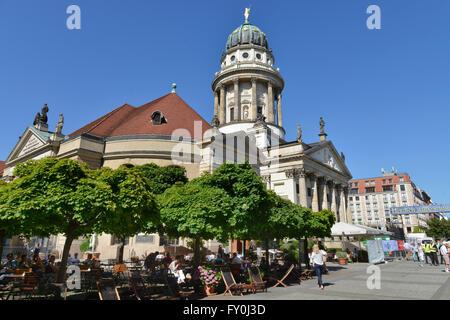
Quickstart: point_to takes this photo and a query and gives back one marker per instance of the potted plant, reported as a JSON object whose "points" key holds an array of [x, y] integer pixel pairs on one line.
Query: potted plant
{"points": [[210, 279], [342, 257]]}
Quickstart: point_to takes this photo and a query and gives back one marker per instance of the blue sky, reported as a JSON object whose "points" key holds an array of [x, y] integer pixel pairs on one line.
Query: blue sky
{"points": [[384, 94]]}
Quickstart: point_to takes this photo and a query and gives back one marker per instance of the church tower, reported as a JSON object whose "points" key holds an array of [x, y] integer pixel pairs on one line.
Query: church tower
{"points": [[247, 89]]}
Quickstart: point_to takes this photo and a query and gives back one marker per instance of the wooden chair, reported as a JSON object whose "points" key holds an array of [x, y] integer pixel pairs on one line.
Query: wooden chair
{"points": [[83, 267], [22, 271], [107, 290], [27, 287], [256, 281], [306, 274], [230, 283], [281, 281], [173, 290]]}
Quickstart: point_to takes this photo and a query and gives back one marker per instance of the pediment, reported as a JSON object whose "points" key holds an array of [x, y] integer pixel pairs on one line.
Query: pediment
{"points": [[28, 144], [327, 155]]}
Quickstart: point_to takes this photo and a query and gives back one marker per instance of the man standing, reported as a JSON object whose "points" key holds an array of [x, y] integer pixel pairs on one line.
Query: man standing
{"points": [[444, 254], [426, 250], [433, 253], [439, 245]]}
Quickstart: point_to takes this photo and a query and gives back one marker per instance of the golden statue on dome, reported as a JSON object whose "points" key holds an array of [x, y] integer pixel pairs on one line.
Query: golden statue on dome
{"points": [[247, 14]]}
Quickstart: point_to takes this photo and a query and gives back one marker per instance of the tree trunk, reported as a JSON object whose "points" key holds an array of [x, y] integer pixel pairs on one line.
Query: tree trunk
{"points": [[299, 253], [70, 236], [243, 248], [2, 241], [196, 252], [267, 253], [121, 249], [305, 245]]}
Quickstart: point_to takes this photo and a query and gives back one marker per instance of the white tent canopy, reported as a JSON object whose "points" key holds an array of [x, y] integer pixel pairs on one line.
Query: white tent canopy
{"points": [[345, 229]]}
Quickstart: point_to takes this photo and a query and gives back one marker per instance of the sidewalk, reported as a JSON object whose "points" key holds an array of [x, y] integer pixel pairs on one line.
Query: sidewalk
{"points": [[399, 280]]}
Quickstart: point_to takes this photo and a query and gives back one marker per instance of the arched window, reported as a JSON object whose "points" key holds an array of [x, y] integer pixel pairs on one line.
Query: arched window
{"points": [[158, 118]]}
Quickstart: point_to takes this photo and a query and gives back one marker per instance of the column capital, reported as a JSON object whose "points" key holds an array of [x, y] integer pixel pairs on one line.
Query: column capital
{"points": [[254, 79], [222, 86], [235, 80], [302, 173], [266, 178], [291, 173]]}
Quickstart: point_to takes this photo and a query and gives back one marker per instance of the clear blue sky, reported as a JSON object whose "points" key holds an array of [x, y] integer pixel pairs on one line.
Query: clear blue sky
{"points": [[384, 94]]}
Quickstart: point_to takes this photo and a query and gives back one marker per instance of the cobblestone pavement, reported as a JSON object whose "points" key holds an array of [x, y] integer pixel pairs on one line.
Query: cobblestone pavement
{"points": [[399, 280]]}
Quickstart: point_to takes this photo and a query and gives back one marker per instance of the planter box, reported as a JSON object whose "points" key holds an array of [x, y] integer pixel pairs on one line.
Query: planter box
{"points": [[342, 261]]}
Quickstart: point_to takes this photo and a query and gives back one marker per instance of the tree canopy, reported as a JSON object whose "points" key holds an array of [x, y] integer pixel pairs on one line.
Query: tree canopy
{"points": [[438, 228]]}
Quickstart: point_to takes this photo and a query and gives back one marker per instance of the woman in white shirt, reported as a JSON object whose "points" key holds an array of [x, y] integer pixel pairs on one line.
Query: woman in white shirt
{"points": [[317, 258]]}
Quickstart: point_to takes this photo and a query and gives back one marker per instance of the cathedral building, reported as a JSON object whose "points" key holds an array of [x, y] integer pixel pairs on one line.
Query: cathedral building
{"points": [[247, 126]]}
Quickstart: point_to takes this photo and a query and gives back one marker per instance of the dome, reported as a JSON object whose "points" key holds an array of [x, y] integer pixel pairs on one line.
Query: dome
{"points": [[247, 34]]}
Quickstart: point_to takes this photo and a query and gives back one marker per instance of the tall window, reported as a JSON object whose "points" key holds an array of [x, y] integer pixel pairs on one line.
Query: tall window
{"points": [[231, 114]]}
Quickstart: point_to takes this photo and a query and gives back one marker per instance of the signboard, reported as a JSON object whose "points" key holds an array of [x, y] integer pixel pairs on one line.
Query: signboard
{"points": [[390, 245], [421, 209], [401, 245]]}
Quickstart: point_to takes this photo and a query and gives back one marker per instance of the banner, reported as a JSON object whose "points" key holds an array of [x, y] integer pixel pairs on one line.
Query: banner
{"points": [[375, 251], [390, 245], [401, 245]]}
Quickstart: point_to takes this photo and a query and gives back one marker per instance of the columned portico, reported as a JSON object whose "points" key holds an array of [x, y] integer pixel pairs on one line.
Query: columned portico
{"points": [[333, 198], [325, 194], [291, 183], [222, 105]]}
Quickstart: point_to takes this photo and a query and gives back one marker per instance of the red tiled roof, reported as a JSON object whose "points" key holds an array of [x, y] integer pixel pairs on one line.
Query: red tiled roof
{"points": [[2, 167], [128, 120]]}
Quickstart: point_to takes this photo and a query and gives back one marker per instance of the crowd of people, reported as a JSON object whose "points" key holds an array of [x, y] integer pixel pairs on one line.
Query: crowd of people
{"points": [[429, 252]]}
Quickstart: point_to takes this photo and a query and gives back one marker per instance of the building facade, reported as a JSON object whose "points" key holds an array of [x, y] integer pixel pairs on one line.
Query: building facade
{"points": [[371, 199], [247, 126]]}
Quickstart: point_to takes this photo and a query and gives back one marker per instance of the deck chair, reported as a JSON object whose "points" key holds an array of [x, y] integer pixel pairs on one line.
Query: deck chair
{"points": [[107, 290], [140, 290], [281, 281], [230, 283], [306, 274], [256, 281]]}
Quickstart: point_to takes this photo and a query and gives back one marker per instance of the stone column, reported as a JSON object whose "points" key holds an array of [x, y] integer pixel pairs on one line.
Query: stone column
{"points": [[279, 116], [237, 107], [348, 214], [303, 191], [333, 200], [341, 207], [216, 104], [254, 99], [270, 117], [315, 198], [325, 195], [292, 175], [222, 105]]}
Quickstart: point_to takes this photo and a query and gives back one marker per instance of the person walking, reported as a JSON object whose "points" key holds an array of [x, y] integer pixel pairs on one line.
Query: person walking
{"points": [[414, 252], [444, 255], [420, 254], [317, 260]]}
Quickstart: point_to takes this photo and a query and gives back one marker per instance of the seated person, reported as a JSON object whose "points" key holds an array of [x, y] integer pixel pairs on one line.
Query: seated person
{"points": [[175, 268], [89, 261], [167, 260], [36, 265], [51, 267], [218, 261], [23, 263], [349, 255], [11, 264], [75, 261]]}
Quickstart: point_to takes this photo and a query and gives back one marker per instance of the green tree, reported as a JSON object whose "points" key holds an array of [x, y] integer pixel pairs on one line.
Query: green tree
{"points": [[56, 196], [162, 178], [135, 208], [248, 196], [438, 228], [196, 211], [9, 225]]}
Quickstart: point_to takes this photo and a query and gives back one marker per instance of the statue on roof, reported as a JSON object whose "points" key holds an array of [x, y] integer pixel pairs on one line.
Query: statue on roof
{"points": [[60, 124], [44, 111], [247, 14], [322, 125], [299, 133], [37, 119]]}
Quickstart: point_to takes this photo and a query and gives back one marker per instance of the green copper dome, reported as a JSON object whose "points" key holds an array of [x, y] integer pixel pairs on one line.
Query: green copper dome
{"points": [[247, 34]]}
